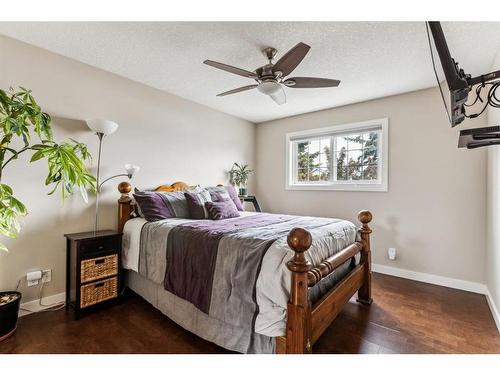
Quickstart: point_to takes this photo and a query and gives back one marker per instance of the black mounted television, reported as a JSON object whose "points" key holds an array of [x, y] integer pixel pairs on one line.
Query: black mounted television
{"points": [[455, 77], [459, 83]]}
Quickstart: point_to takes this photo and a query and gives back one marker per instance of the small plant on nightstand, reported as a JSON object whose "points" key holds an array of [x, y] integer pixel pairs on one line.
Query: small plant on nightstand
{"points": [[239, 175]]}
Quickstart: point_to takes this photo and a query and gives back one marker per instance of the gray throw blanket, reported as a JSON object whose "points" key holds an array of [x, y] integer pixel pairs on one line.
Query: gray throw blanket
{"points": [[224, 286]]}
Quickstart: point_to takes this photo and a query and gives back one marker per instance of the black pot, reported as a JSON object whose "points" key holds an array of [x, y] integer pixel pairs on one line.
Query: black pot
{"points": [[8, 316]]}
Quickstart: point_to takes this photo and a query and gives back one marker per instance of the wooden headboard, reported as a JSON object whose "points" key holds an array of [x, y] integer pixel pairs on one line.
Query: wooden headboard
{"points": [[126, 208]]}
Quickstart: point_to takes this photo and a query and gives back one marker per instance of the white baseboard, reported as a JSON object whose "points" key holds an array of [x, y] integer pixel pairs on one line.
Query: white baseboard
{"points": [[34, 306], [493, 308], [469, 286]]}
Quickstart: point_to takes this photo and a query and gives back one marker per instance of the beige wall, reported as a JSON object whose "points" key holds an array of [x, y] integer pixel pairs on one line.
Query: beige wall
{"points": [[434, 211], [169, 137], [493, 205]]}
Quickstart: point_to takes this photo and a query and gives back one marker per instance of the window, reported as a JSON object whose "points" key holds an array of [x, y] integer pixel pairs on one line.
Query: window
{"points": [[343, 157]]}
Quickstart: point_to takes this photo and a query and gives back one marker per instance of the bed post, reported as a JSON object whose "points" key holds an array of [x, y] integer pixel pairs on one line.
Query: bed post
{"points": [[298, 325], [124, 204], [365, 292]]}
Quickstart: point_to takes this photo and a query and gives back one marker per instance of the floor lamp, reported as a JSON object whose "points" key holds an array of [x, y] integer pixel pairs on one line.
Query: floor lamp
{"points": [[103, 128]]}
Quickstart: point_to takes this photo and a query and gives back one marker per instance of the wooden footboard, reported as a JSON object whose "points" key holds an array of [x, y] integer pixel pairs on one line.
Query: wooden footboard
{"points": [[306, 322]]}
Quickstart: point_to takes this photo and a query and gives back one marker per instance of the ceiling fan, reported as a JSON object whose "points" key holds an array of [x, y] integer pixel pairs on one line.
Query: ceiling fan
{"points": [[272, 77]]}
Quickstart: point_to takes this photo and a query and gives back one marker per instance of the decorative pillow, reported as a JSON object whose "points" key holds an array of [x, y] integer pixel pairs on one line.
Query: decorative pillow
{"points": [[175, 202], [220, 196], [221, 210], [220, 193], [196, 204], [152, 206]]}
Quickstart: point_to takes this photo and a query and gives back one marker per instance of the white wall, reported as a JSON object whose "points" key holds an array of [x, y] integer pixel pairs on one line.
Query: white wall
{"points": [[434, 211], [493, 211], [169, 137]]}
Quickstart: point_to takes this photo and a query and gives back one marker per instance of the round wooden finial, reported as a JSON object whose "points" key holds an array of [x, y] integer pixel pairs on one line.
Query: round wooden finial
{"points": [[365, 216], [299, 240], [124, 187]]}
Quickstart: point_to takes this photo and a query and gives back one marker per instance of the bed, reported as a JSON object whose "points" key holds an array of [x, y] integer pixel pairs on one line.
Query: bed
{"points": [[258, 283]]}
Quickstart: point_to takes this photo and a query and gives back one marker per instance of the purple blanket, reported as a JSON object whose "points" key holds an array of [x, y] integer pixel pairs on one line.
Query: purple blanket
{"points": [[192, 253]]}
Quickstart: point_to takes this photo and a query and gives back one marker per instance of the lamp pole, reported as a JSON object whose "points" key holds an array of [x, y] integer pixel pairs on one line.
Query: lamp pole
{"points": [[98, 188]]}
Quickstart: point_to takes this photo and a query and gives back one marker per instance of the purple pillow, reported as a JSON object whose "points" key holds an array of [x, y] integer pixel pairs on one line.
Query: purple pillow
{"points": [[196, 204], [152, 205], [221, 210], [220, 193], [234, 197]]}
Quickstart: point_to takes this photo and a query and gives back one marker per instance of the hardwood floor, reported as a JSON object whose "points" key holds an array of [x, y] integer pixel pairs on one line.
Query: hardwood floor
{"points": [[406, 317]]}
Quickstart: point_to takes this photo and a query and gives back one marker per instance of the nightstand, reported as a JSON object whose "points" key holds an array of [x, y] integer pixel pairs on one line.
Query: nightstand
{"points": [[251, 199], [93, 276]]}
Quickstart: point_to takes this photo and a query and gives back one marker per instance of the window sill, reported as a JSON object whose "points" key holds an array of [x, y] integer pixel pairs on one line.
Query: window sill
{"points": [[339, 187]]}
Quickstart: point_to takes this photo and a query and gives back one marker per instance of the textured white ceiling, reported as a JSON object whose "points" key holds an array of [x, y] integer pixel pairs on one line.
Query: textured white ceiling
{"points": [[371, 59]]}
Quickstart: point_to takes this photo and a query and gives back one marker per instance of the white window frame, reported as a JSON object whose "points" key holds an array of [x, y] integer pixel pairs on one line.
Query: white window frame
{"points": [[380, 185]]}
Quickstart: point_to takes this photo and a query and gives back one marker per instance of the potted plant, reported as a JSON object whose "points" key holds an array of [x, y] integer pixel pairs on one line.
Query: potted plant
{"points": [[9, 310], [239, 175], [21, 118]]}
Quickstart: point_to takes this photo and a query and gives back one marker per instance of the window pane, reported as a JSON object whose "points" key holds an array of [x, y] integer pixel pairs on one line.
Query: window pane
{"points": [[370, 172], [325, 144], [302, 175], [370, 155], [341, 143], [371, 139], [354, 157], [302, 146], [314, 174], [354, 141], [324, 174], [341, 158], [313, 160], [342, 173], [314, 146], [355, 172]]}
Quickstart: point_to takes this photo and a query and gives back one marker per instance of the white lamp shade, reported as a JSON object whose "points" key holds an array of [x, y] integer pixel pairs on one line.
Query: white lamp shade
{"points": [[131, 169], [105, 127]]}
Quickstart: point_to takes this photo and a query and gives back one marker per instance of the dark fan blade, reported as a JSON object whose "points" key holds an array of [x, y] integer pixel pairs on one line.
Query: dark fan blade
{"points": [[310, 82], [290, 60], [239, 89], [279, 97], [230, 69]]}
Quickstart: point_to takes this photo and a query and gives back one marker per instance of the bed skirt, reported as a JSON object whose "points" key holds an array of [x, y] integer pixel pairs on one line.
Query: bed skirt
{"points": [[190, 318]]}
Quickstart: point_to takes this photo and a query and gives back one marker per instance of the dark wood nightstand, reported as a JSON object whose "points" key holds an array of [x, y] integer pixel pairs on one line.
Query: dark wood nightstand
{"points": [[93, 276], [252, 199]]}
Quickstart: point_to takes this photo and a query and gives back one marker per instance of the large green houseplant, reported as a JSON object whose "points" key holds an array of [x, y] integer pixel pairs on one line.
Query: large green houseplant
{"points": [[21, 120]]}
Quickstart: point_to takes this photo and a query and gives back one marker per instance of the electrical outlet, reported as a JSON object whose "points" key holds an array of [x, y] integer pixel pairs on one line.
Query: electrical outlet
{"points": [[46, 276], [33, 277], [392, 253]]}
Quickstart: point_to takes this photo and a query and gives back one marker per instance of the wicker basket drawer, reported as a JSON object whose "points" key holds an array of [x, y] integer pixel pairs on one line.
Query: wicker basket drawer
{"points": [[100, 291], [98, 268]]}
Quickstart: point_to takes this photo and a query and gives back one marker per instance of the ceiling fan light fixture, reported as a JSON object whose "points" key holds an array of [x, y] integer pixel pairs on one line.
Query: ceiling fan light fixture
{"points": [[269, 87]]}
